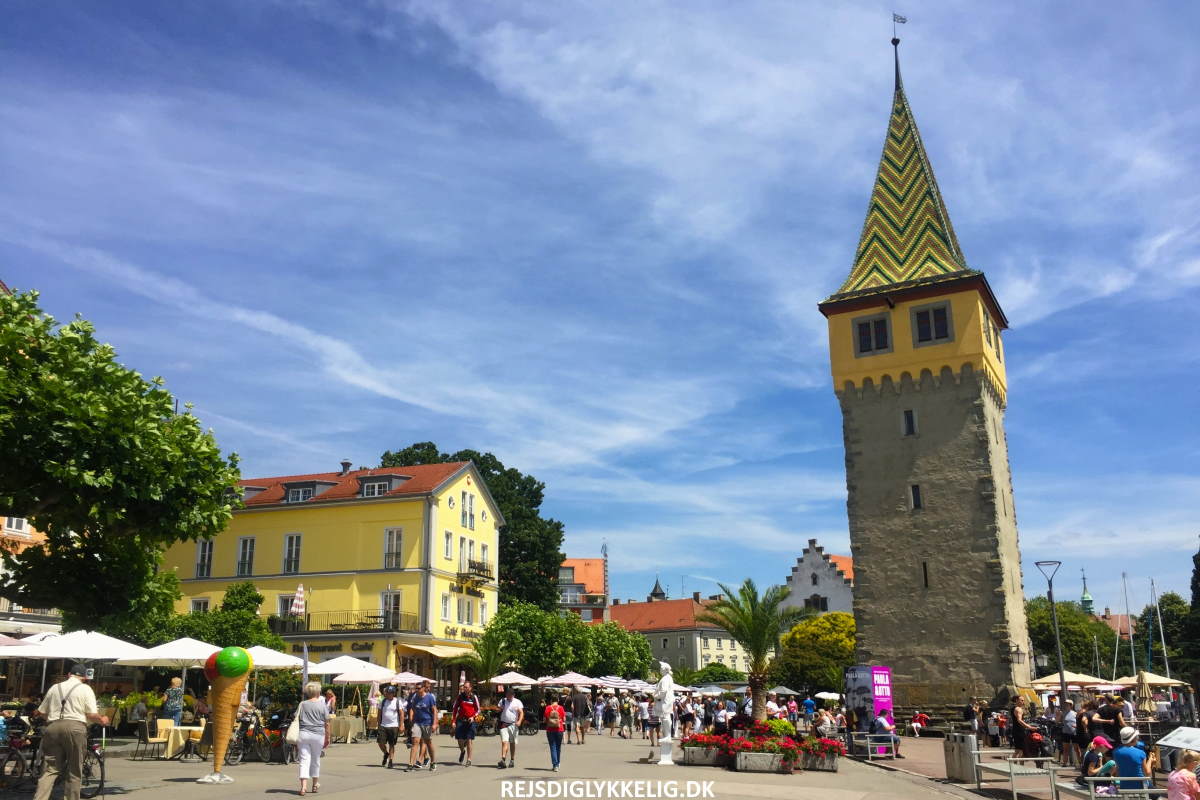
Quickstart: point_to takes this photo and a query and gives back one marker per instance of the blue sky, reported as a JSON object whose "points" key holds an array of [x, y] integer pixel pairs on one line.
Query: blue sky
{"points": [[591, 239]]}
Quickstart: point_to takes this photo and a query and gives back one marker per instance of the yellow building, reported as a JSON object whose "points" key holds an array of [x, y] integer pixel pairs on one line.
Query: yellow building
{"points": [[398, 564]]}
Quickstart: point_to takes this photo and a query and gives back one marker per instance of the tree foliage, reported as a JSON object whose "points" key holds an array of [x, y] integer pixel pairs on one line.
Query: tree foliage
{"points": [[1076, 630], [96, 458], [235, 623], [487, 659], [618, 651], [816, 652], [755, 622], [718, 673], [544, 643], [530, 544], [1175, 611]]}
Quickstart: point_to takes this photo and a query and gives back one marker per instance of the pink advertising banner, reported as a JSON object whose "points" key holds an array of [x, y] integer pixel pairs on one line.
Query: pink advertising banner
{"points": [[881, 688]]}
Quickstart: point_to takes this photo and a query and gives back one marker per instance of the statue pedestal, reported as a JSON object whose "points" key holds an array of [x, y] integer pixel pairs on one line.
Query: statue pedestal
{"points": [[666, 748]]}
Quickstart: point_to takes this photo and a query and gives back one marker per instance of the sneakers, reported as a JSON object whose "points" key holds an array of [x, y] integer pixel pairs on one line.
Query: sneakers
{"points": [[512, 764], [555, 768], [384, 763], [500, 764], [468, 762], [432, 767]]}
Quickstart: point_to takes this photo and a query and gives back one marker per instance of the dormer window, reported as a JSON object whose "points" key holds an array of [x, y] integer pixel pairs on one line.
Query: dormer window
{"points": [[299, 495], [300, 491], [379, 484], [375, 488], [251, 491]]}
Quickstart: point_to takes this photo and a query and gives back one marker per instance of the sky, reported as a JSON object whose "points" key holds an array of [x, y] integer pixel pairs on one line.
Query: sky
{"points": [[590, 238]]}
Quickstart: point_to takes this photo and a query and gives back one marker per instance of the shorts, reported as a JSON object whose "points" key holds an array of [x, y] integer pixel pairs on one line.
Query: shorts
{"points": [[509, 733], [389, 736], [464, 729], [420, 731], [687, 719], [653, 724]]}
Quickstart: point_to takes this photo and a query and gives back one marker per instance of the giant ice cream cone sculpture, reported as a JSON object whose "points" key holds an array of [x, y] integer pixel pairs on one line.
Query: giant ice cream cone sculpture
{"points": [[227, 671]]}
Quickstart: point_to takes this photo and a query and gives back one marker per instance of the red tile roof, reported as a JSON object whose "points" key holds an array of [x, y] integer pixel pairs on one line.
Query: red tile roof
{"points": [[845, 564], [659, 615], [1120, 623], [589, 572], [422, 479]]}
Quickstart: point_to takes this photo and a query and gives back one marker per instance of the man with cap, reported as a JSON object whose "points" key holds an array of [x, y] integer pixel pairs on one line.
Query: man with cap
{"points": [[391, 716], [68, 707]]}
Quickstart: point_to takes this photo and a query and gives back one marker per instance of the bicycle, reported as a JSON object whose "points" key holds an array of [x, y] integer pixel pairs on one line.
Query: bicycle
{"points": [[16, 767], [249, 736]]}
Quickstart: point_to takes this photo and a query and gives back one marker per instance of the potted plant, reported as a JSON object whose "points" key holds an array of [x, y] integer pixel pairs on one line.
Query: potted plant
{"points": [[821, 753], [705, 750], [760, 751]]}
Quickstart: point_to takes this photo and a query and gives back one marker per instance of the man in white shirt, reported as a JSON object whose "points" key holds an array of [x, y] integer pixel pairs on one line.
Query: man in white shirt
{"points": [[68, 707], [391, 712], [512, 714], [772, 706]]}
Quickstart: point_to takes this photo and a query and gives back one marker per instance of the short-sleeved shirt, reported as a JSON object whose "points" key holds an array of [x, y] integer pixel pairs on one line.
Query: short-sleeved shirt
{"points": [[423, 708], [71, 700], [174, 701], [1182, 785], [1129, 760], [562, 717], [391, 711], [510, 710], [466, 707], [581, 704], [313, 715], [810, 706]]}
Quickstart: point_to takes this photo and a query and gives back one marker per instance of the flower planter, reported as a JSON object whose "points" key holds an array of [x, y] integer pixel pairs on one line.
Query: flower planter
{"points": [[704, 757], [823, 763], [759, 762]]}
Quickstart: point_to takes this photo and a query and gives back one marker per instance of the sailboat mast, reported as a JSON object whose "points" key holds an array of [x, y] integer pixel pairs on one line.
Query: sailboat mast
{"points": [[1162, 634], [1129, 627]]}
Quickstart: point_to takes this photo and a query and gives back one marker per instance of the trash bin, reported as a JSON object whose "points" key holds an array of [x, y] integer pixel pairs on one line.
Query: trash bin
{"points": [[960, 762]]}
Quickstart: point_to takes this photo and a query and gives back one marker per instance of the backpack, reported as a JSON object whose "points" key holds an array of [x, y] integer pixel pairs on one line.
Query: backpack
{"points": [[555, 719]]}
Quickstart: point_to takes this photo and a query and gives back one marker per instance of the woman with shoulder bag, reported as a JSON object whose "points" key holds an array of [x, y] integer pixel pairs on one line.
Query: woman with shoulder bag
{"points": [[313, 716]]}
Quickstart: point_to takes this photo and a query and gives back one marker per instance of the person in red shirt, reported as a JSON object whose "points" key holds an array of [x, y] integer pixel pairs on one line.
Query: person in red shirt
{"points": [[466, 707], [919, 721], [556, 722]]}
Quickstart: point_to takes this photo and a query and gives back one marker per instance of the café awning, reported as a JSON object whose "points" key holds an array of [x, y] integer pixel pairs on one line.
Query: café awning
{"points": [[438, 650]]}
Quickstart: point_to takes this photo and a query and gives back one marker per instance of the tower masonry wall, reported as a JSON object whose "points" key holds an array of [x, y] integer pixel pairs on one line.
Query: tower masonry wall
{"points": [[938, 594]]}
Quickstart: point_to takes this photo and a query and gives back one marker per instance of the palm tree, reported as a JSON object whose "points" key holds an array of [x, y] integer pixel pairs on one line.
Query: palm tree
{"points": [[488, 657], [755, 623]]}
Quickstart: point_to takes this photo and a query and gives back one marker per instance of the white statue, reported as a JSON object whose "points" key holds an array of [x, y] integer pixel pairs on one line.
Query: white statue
{"points": [[664, 707]]}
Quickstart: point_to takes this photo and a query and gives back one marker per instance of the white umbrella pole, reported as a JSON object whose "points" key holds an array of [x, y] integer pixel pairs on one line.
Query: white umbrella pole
{"points": [[44, 662]]}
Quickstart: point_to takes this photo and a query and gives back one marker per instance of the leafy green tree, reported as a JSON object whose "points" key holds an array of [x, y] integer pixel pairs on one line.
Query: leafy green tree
{"points": [[618, 651], [682, 674], [541, 642], [487, 659], [96, 458], [530, 544], [718, 673], [755, 622], [151, 625], [816, 652], [1076, 629]]}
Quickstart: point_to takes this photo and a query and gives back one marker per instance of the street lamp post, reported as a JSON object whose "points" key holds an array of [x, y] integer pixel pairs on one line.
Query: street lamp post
{"points": [[1048, 569]]}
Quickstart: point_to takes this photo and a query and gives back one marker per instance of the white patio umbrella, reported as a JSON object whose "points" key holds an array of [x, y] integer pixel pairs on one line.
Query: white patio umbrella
{"points": [[181, 653], [336, 666], [406, 677], [827, 696], [78, 646], [266, 658], [513, 678], [365, 673], [570, 679]]}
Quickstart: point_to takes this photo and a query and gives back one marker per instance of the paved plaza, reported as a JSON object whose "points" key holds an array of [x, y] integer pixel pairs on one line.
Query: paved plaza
{"points": [[353, 771]]}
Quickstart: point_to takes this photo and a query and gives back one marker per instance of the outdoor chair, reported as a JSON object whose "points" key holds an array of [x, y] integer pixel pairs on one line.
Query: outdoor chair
{"points": [[192, 745], [162, 728], [145, 744], [203, 745]]}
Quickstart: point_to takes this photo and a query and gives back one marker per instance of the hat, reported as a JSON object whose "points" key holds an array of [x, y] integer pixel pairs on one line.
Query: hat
{"points": [[1128, 735], [81, 671], [1100, 741], [389, 687]]}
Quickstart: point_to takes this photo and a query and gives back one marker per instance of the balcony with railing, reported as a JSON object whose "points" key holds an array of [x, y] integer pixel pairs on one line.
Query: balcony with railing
{"points": [[472, 570], [581, 598], [345, 621]]}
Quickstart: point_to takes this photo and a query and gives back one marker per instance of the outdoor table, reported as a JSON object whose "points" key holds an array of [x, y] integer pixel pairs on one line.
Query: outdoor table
{"points": [[177, 739], [345, 729]]}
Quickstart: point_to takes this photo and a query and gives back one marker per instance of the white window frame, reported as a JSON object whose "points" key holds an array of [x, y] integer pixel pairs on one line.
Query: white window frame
{"points": [[471, 516], [448, 546], [375, 489], [240, 552], [470, 550], [483, 553], [200, 605], [462, 554], [393, 542], [461, 614], [385, 608], [445, 607], [681, 643], [483, 612], [201, 546], [16, 525], [463, 510], [470, 611], [283, 604], [288, 538], [720, 643], [299, 495]]}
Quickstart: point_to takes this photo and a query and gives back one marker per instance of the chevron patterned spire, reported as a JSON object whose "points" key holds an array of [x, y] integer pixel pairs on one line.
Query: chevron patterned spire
{"points": [[907, 235]]}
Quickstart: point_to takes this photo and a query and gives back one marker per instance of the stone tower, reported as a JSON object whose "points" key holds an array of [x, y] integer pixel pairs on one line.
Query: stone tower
{"points": [[918, 368]]}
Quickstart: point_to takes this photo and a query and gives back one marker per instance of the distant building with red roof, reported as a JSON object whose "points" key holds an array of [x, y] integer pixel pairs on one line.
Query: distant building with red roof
{"points": [[821, 581], [675, 634], [583, 587]]}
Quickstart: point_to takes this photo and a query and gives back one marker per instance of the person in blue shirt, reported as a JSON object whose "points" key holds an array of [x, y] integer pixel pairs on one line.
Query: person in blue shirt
{"points": [[1132, 762], [422, 712], [810, 708]]}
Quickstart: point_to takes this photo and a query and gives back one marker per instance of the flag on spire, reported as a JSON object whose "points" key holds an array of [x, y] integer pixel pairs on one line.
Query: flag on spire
{"points": [[898, 18]]}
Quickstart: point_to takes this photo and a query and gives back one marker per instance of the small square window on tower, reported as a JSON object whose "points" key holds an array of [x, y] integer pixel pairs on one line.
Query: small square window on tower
{"points": [[872, 335], [914, 497], [931, 324], [909, 422]]}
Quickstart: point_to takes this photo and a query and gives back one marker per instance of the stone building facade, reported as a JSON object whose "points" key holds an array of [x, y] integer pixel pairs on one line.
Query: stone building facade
{"points": [[918, 368], [821, 581]]}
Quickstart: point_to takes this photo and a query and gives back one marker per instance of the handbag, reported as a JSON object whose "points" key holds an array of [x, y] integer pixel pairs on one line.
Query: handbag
{"points": [[293, 732]]}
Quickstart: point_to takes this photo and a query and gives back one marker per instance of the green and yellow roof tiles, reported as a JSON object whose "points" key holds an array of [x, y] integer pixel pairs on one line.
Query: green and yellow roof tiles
{"points": [[907, 235]]}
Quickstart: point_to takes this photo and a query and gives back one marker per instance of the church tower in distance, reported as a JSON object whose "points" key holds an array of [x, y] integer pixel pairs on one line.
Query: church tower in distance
{"points": [[918, 368]]}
